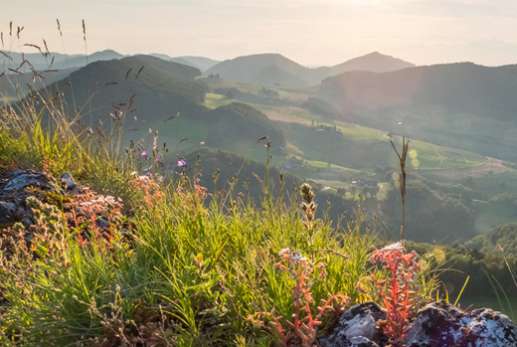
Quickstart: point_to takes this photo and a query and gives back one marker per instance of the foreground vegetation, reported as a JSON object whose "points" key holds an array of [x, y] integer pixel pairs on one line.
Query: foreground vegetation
{"points": [[175, 266]]}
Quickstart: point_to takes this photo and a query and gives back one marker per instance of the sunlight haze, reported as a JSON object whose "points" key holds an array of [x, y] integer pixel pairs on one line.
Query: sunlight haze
{"points": [[313, 32]]}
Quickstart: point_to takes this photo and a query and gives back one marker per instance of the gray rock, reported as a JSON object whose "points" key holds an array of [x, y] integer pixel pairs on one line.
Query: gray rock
{"points": [[13, 192], [7, 212], [442, 325], [357, 327], [362, 342], [21, 179], [68, 182]]}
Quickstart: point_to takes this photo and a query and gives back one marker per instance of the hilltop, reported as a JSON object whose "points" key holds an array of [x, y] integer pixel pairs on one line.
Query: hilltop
{"points": [[268, 69], [373, 62]]}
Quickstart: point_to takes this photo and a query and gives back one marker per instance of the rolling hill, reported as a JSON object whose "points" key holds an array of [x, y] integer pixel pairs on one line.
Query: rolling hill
{"points": [[461, 105], [266, 69], [161, 88], [147, 92], [218, 170]]}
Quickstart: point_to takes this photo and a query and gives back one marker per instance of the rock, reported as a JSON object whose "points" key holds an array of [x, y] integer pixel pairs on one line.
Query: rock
{"points": [[21, 179], [362, 342], [7, 212], [14, 191], [357, 327], [435, 325], [441, 325], [68, 182]]}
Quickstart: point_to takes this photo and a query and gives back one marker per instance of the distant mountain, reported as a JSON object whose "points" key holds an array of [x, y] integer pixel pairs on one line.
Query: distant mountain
{"points": [[277, 70], [461, 105], [266, 69], [202, 63], [373, 62], [16, 78], [149, 92], [53, 60], [83, 60]]}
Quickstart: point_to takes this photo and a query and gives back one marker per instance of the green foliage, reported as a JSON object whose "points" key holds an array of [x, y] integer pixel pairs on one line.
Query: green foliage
{"points": [[197, 269], [487, 261]]}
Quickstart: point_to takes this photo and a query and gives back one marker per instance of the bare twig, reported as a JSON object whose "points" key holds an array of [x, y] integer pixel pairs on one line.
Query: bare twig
{"points": [[19, 31], [402, 156], [139, 72], [128, 73], [47, 52], [35, 46], [59, 27]]}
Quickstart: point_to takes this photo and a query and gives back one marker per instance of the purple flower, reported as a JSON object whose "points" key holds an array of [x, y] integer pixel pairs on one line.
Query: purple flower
{"points": [[181, 163]]}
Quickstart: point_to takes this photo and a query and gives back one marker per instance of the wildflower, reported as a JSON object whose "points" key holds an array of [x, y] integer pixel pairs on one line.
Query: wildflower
{"points": [[181, 163], [150, 187], [301, 328], [398, 293], [284, 252]]}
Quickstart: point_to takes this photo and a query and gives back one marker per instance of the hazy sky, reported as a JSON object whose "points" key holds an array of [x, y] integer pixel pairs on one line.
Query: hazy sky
{"points": [[313, 32]]}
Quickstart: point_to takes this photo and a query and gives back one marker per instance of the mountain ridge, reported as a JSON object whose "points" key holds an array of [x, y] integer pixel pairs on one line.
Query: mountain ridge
{"points": [[453, 104], [274, 69]]}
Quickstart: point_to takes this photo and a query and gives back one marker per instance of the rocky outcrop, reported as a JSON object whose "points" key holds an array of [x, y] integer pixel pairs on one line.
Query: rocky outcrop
{"points": [[14, 190], [435, 325], [438, 325], [357, 327], [80, 205]]}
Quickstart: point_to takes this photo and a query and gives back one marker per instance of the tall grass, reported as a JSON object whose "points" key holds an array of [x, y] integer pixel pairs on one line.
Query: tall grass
{"points": [[189, 274]]}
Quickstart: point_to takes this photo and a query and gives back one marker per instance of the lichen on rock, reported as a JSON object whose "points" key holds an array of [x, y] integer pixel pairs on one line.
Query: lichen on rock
{"points": [[435, 325]]}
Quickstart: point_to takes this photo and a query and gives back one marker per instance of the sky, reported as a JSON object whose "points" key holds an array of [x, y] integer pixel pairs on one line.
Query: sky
{"points": [[312, 32]]}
